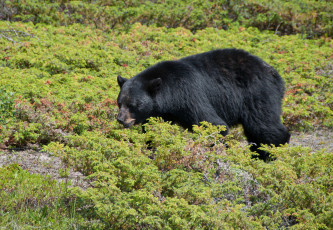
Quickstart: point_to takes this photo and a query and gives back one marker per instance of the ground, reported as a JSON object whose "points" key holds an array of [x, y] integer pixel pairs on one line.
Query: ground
{"points": [[42, 163], [39, 162]]}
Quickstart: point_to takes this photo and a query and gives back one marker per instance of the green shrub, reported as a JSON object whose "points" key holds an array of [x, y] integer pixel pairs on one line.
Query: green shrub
{"points": [[182, 181], [71, 74], [308, 17], [164, 188], [33, 201], [63, 97], [7, 110]]}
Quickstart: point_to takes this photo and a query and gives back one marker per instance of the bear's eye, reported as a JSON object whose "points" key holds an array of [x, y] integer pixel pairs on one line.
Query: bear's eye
{"points": [[133, 105], [139, 104]]}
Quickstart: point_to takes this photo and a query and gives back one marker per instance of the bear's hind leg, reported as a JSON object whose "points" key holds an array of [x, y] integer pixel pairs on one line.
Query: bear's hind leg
{"points": [[259, 133]]}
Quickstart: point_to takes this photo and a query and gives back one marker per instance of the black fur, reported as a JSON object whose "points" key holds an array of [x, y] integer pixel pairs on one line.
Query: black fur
{"points": [[224, 87]]}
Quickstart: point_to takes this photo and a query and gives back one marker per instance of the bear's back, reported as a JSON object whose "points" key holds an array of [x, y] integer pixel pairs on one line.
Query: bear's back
{"points": [[229, 65]]}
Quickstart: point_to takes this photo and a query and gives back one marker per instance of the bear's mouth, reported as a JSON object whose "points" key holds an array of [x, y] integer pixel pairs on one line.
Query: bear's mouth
{"points": [[129, 122]]}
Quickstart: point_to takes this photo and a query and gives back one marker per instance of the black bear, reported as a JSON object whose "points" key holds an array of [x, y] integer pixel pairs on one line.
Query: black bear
{"points": [[224, 87]]}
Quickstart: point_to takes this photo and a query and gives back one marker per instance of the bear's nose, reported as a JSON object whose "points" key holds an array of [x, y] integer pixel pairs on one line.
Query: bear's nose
{"points": [[120, 120]]}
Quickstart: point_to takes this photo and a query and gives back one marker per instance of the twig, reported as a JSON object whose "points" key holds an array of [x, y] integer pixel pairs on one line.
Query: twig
{"points": [[21, 33], [269, 22], [8, 38], [5, 34], [217, 31], [12, 28], [277, 28], [206, 178]]}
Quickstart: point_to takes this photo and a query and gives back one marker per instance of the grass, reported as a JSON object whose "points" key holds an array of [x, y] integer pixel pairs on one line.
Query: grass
{"points": [[31, 200]]}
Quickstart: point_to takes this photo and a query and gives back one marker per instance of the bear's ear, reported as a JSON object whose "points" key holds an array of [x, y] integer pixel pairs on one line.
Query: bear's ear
{"points": [[121, 81], [154, 85]]}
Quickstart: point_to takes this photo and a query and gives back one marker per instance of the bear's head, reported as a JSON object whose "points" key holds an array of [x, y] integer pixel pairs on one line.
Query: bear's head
{"points": [[136, 100]]}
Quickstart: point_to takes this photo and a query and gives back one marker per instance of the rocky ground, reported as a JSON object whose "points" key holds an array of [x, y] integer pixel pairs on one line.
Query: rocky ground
{"points": [[320, 139], [42, 163]]}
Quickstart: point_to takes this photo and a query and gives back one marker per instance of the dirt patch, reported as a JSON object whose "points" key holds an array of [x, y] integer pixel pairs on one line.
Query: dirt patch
{"points": [[42, 163], [320, 139]]}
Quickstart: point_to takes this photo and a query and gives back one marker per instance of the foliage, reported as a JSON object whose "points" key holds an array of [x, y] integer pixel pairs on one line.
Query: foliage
{"points": [[71, 73], [7, 110], [191, 180], [59, 90], [310, 17], [29, 201]]}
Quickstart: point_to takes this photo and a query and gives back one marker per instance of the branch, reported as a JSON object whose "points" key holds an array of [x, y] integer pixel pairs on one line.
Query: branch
{"points": [[6, 34]]}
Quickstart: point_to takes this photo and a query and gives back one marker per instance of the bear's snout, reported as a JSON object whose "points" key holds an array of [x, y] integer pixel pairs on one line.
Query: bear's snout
{"points": [[125, 119], [120, 119]]}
